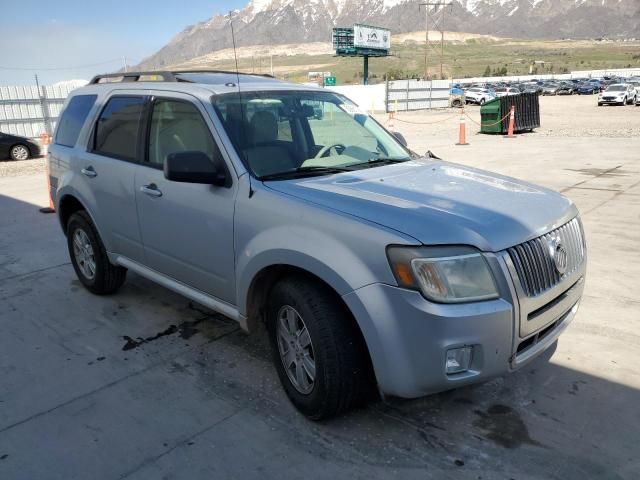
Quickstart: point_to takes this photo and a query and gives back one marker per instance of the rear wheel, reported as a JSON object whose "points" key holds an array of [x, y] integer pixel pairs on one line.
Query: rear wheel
{"points": [[89, 257], [19, 152], [318, 352]]}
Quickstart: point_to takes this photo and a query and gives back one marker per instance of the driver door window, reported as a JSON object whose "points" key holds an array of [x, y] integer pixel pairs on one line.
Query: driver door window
{"points": [[178, 126]]}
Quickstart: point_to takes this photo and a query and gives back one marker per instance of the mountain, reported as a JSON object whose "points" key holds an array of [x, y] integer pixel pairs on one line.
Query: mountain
{"points": [[296, 21]]}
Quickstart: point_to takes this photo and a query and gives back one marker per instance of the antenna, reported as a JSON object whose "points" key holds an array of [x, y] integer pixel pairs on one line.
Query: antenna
{"points": [[242, 114], [235, 53]]}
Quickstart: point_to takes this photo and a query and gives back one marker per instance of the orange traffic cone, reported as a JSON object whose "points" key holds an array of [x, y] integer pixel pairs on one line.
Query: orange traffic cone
{"points": [[45, 139], [512, 122], [462, 134]]}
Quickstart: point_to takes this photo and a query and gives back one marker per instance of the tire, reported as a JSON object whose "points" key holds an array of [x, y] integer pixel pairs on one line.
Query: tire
{"points": [[342, 375], [482, 100], [88, 255], [624, 102], [20, 152], [599, 104]]}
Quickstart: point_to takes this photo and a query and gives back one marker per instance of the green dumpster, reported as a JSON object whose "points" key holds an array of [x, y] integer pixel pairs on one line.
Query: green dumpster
{"points": [[490, 115]]}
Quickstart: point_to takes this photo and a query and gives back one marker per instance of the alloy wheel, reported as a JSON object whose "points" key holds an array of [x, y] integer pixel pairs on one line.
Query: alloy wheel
{"points": [[296, 350], [83, 253]]}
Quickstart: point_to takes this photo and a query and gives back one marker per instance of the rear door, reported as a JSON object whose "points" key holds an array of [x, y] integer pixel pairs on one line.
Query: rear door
{"points": [[187, 229], [108, 170]]}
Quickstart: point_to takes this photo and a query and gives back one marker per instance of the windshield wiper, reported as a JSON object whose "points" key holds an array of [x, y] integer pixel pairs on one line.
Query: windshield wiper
{"points": [[304, 172], [376, 161]]}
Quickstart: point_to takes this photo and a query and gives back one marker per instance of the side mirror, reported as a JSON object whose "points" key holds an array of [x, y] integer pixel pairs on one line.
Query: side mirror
{"points": [[193, 167], [400, 138]]}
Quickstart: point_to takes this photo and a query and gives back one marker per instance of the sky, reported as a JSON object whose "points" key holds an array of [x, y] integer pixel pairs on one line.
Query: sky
{"points": [[76, 39]]}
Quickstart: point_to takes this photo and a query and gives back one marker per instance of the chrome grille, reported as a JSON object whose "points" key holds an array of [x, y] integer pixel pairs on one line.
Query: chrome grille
{"points": [[534, 263]]}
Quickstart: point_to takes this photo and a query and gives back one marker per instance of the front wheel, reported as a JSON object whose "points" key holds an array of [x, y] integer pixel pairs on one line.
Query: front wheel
{"points": [[19, 152], [89, 257], [482, 101], [319, 354]]}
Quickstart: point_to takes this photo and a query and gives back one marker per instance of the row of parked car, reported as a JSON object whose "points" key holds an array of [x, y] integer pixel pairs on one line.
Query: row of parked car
{"points": [[610, 89]]}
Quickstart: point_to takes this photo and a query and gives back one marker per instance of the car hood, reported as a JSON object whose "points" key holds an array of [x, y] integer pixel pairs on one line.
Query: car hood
{"points": [[438, 203]]}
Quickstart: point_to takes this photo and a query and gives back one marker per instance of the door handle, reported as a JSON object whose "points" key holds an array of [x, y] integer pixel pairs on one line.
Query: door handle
{"points": [[89, 172], [151, 190]]}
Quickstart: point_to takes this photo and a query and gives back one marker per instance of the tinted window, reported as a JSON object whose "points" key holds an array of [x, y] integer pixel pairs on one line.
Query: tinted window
{"points": [[73, 119], [178, 127], [118, 128]]}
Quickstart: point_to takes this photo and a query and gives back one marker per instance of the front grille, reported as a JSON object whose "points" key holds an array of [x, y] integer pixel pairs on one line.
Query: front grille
{"points": [[534, 263], [608, 98]]}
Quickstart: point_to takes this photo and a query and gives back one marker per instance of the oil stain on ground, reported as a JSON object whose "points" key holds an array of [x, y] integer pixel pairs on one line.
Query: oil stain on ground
{"points": [[503, 425], [185, 329]]}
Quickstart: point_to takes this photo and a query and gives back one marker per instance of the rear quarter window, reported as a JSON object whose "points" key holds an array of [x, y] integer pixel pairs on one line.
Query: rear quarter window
{"points": [[73, 118]]}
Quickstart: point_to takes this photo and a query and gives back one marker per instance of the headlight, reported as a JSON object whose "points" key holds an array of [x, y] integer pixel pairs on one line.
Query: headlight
{"points": [[443, 274]]}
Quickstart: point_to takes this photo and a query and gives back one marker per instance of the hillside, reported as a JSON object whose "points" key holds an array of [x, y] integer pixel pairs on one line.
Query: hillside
{"points": [[278, 22]]}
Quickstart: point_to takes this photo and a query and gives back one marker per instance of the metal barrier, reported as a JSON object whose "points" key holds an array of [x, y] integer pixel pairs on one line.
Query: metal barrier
{"points": [[407, 95], [29, 111]]}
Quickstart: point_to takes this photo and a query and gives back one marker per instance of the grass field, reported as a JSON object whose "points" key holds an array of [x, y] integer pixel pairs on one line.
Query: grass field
{"points": [[467, 58]]}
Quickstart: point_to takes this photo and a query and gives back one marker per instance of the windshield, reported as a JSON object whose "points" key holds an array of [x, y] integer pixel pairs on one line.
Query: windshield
{"points": [[277, 132], [616, 88]]}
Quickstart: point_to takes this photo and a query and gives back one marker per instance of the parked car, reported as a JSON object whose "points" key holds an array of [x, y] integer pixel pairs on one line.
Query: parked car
{"points": [[587, 88], [479, 95], [16, 147], [566, 88], [373, 269], [506, 91], [550, 89], [618, 94]]}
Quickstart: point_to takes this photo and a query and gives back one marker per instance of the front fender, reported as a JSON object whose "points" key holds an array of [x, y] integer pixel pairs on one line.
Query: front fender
{"points": [[308, 249]]}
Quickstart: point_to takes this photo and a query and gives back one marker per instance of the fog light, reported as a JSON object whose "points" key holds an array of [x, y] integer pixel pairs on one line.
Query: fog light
{"points": [[458, 360]]}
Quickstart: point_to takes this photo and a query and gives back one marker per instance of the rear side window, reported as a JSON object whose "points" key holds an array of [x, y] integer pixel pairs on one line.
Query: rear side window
{"points": [[73, 119], [118, 128]]}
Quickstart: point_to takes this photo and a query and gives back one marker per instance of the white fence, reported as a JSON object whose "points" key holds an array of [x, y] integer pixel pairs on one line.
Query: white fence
{"points": [[28, 112], [367, 97], [405, 95]]}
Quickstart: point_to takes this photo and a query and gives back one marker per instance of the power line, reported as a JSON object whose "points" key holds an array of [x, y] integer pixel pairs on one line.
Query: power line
{"points": [[437, 16], [77, 67]]}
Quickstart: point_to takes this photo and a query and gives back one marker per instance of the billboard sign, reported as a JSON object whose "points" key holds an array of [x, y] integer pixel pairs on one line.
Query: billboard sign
{"points": [[376, 38]]}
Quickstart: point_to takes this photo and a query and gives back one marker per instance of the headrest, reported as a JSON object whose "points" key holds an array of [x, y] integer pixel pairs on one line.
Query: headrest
{"points": [[264, 127]]}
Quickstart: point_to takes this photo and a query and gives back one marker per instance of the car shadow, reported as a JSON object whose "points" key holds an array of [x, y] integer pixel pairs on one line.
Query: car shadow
{"points": [[547, 420]]}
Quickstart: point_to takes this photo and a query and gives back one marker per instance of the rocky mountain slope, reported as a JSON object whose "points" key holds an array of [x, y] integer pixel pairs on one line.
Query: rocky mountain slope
{"points": [[293, 21]]}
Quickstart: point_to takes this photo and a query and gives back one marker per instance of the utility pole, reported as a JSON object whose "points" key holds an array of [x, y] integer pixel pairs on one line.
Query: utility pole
{"points": [[124, 64], [437, 17]]}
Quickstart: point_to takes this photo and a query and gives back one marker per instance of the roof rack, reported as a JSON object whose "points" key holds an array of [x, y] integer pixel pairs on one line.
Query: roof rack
{"points": [[134, 77], [164, 76]]}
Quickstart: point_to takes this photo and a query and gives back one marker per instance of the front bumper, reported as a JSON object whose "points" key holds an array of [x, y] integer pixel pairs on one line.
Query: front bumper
{"points": [[408, 336], [34, 149], [611, 100]]}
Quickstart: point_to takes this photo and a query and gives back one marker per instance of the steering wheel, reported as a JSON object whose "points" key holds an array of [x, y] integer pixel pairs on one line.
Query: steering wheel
{"points": [[323, 151]]}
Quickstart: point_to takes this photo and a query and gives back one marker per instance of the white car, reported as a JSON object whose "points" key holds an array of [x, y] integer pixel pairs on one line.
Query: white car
{"points": [[506, 91], [478, 95], [618, 94]]}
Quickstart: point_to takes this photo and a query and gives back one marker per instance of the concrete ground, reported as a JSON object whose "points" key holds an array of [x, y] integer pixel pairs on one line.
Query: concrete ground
{"points": [[145, 385]]}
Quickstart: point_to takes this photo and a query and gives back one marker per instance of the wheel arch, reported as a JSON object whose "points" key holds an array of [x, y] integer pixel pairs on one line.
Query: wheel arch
{"points": [[67, 205], [263, 282]]}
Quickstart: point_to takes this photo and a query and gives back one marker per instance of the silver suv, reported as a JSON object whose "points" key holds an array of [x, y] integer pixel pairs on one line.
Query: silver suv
{"points": [[374, 269]]}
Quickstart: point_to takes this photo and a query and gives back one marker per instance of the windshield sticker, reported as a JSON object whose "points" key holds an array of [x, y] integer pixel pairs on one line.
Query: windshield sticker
{"points": [[352, 109]]}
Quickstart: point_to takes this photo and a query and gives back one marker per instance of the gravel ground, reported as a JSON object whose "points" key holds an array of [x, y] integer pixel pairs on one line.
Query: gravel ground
{"points": [[10, 168], [564, 116]]}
